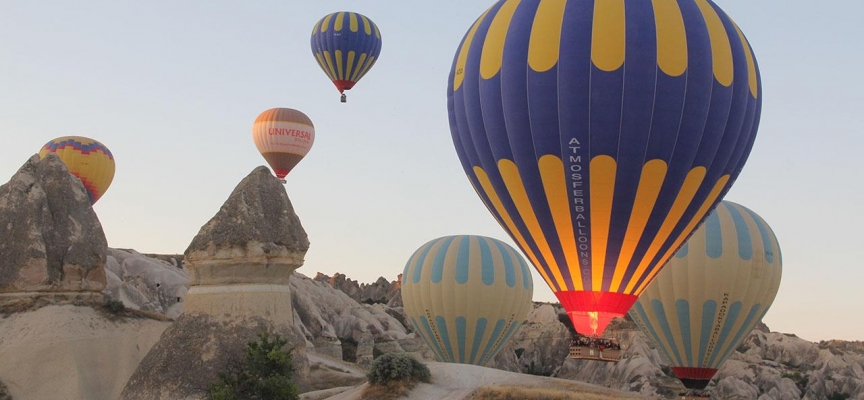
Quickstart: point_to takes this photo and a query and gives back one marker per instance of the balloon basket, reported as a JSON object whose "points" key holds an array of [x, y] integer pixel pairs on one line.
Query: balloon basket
{"points": [[344, 98], [593, 353], [595, 348], [283, 181]]}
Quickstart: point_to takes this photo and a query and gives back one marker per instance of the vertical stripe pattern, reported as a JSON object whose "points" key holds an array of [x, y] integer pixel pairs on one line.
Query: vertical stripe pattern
{"points": [[345, 45], [600, 134], [466, 295], [709, 297]]}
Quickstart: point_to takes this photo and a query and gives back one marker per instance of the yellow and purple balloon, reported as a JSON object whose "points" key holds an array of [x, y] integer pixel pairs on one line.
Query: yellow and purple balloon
{"points": [[87, 159]]}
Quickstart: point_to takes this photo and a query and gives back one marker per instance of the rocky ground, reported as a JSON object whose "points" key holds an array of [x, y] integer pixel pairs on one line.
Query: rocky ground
{"points": [[356, 322]]}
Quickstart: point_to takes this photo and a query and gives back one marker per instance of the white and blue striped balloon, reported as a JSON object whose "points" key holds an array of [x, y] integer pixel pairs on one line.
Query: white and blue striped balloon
{"points": [[709, 297], [466, 296]]}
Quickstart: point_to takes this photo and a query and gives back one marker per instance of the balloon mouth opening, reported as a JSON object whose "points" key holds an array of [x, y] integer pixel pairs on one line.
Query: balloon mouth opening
{"points": [[591, 312], [280, 174], [343, 85], [694, 378], [592, 323]]}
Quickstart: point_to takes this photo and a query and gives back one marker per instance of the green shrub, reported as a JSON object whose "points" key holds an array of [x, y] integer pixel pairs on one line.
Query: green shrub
{"points": [[397, 367], [349, 350], [264, 374], [114, 306], [839, 396]]}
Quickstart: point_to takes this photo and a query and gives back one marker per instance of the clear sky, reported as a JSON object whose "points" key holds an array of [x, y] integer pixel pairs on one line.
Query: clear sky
{"points": [[172, 88]]}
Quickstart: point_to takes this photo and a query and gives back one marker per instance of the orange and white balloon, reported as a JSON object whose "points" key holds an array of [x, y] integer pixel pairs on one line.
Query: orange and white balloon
{"points": [[283, 136], [87, 159]]}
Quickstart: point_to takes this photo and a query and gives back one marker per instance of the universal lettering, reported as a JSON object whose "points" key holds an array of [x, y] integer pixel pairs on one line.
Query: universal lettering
{"points": [[290, 132]]}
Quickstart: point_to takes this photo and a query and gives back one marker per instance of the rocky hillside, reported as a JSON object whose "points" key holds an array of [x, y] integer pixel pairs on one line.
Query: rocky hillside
{"points": [[344, 319], [768, 366], [379, 292]]}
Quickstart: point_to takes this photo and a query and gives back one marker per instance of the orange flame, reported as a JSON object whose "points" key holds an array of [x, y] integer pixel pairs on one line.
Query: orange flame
{"points": [[595, 323]]}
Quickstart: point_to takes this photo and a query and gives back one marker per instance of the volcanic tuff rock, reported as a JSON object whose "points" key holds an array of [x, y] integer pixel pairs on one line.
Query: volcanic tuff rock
{"points": [[767, 366], [196, 348], [239, 267], [146, 282], [381, 291], [72, 352], [243, 257], [340, 327], [543, 343], [774, 365], [52, 240], [341, 282], [254, 238]]}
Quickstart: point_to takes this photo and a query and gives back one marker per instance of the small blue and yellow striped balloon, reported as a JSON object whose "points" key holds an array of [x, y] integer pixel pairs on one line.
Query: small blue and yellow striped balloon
{"points": [[346, 45], [466, 296]]}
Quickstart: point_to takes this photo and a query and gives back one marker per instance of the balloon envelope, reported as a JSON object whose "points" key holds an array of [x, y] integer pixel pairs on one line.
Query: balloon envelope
{"points": [[600, 136], [709, 297], [87, 159], [466, 295], [283, 136], [346, 45]]}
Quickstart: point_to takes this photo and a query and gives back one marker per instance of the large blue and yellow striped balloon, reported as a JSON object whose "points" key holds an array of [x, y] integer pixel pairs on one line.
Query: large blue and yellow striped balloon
{"points": [[601, 133], [709, 297], [466, 296], [346, 45]]}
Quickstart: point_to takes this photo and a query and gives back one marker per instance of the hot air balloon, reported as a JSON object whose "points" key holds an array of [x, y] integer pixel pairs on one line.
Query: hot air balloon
{"points": [[283, 136], [466, 295], [87, 159], [712, 293], [346, 45], [600, 136]]}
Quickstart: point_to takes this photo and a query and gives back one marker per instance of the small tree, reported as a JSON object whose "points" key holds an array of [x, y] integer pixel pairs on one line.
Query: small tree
{"points": [[265, 374]]}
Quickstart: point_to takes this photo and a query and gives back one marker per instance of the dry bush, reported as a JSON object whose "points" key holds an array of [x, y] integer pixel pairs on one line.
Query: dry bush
{"points": [[523, 393], [390, 391], [393, 375]]}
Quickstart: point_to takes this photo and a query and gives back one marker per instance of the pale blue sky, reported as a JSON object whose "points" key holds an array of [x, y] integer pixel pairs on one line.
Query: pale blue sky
{"points": [[172, 88]]}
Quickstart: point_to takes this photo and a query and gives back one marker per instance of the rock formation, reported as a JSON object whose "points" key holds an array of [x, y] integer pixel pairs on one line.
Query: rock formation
{"points": [[338, 326], [57, 341], [541, 345], [239, 269], [341, 282], [146, 283], [769, 365], [72, 352], [52, 242], [381, 291]]}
